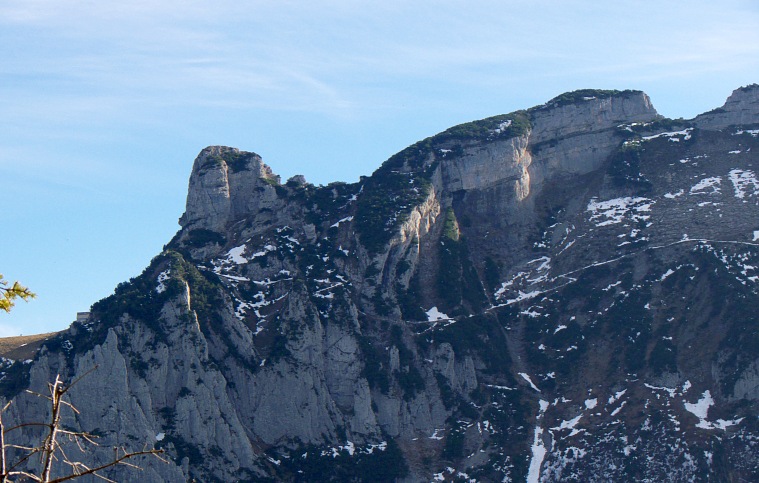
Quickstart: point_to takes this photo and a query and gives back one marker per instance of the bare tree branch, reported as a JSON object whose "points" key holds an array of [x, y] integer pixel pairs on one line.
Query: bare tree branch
{"points": [[2, 448], [22, 425], [24, 473], [108, 465], [50, 444], [50, 449]]}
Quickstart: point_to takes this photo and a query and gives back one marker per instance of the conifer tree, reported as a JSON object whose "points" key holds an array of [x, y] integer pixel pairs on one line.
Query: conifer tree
{"points": [[10, 292]]}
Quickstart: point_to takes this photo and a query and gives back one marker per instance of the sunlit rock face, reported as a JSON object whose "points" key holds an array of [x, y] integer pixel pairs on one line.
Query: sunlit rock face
{"points": [[741, 108], [564, 293], [227, 184]]}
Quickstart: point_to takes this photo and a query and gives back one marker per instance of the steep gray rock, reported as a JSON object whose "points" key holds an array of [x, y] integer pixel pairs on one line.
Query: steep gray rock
{"points": [[741, 108], [565, 139], [576, 138], [747, 385], [225, 185]]}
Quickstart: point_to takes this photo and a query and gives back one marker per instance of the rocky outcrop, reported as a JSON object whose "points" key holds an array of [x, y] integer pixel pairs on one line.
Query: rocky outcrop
{"points": [[747, 386], [225, 185], [588, 112], [576, 138], [565, 139], [502, 166], [741, 108]]}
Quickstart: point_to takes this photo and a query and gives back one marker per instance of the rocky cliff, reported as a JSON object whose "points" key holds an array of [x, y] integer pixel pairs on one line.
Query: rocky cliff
{"points": [[565, 293]]}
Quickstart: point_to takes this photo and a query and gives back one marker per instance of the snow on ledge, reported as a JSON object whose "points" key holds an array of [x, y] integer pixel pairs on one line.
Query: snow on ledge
{"points": [[743, 182], [610, 212], [434, 314], [235, 255], [672, 136], [529, 381], [700, 409], [162, 277]]}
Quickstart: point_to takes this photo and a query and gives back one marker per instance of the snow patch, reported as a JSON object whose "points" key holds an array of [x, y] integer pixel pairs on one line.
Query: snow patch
{"points": [[531, 314], [538, 448], [503, 388], [673, 136], [700, 409], [529, 381], [723, 425], [668, 390], [569, 425], [434, 314], [616, 396], [707, 186], [743, 181], [343, 220], [666, 274], [349, 447], [162, 277], [523, 296], [236, 278], [614, 211], [502, 127], [545, 263], [672, 196], [235, 255], [616, 411]]}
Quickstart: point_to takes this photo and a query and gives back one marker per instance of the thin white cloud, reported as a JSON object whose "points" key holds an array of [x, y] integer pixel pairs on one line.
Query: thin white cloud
{"points": [[326, 56]]}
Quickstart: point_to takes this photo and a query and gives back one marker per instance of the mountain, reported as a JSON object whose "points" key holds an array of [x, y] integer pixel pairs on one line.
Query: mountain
{"points": [[564, 293]]}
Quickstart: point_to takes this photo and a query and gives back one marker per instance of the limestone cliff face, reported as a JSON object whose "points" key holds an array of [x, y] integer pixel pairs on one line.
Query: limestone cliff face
{"points": [[564, 139], [561, 118], [741, 108], [501, 168], [576, 138], [225, 185], [563, 292]]}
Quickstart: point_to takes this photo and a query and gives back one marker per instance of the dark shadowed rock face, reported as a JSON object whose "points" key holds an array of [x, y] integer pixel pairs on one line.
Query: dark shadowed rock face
{"points": [[566, 293]]}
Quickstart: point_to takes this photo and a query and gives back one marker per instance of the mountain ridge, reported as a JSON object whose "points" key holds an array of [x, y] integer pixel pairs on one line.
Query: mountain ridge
{"points": [[513, 298]]}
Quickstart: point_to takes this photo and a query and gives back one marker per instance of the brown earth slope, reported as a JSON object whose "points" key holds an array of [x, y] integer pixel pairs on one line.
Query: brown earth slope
{"points": [[22, 347]]}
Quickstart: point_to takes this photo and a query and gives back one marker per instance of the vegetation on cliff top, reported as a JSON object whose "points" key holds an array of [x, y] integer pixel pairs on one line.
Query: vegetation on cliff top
{"points": [[389, 194], [386, 202], [586, 95], [403, 181]]}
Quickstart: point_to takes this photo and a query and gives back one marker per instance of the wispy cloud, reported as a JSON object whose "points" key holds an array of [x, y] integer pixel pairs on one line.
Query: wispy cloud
{"points": [[329, 56]]}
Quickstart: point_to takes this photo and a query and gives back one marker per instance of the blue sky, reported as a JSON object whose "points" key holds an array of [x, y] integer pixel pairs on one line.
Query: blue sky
{"points": [[104, 105]]}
